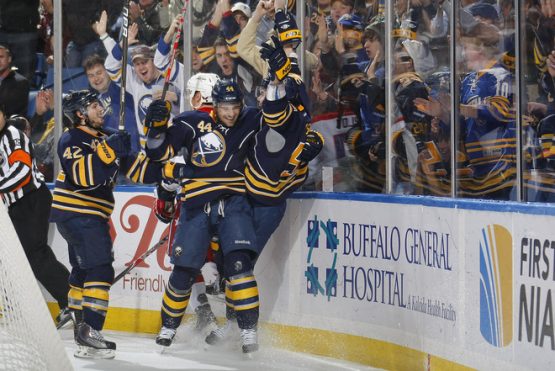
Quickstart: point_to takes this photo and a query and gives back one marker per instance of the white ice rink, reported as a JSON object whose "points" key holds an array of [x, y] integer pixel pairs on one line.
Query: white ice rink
{"points": [[138, 352]]}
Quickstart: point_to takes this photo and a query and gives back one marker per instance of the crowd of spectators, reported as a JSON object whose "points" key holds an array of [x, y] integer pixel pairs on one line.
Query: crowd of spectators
{"points": [[346, 72]]}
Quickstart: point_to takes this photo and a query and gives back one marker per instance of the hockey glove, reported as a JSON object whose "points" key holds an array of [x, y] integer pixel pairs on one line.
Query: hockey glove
{"points": [[158, 115], [312, 146], [279, 62], [116, 145], [164, 208], [175, 170], [286, 28]]}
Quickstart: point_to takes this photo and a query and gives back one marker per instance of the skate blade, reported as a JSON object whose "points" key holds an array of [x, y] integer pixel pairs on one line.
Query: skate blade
{"points": [[88, 352], [64, 323]]}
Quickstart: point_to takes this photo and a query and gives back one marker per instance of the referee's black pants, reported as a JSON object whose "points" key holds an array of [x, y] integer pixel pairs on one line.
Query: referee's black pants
{"points": [[29, 216]]}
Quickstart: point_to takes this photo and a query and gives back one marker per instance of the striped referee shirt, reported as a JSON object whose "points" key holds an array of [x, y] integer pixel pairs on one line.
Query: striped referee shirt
{"points": [[19, 174]]}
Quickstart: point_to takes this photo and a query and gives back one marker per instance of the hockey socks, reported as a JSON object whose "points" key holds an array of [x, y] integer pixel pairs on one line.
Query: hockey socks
{"points": [[176, 296]]}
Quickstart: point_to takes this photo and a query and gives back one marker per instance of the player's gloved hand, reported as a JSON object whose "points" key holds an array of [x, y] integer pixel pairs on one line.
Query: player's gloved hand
{"points": [[116, 145], [279, 62], [158, 114], [312, 146], [164, 207], [176, 170], [286, 28]]}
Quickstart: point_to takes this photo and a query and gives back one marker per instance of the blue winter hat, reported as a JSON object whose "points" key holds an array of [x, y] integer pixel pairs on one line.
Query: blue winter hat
{"points": [[484, 10]]}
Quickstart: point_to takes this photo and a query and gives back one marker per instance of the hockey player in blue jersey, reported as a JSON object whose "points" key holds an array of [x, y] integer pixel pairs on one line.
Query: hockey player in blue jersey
{"points": [[488, 128], [277, 161], [83, 201], [213, 201]]}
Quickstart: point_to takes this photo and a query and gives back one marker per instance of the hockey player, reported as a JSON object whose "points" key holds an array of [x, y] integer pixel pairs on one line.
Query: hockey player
{"points": [[199, 92], [28, 201], [91, 158], [213, 200], [277, 162]]}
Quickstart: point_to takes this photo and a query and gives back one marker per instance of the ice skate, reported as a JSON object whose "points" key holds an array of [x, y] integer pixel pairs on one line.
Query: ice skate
{"points": [[64, 318], [249, 341], [222, 332], [165, 337], [205, 318], [92, 344]]}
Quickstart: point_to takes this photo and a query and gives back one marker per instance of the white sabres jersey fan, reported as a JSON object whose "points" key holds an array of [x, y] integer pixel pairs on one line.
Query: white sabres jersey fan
{"points": [[19, 174]]}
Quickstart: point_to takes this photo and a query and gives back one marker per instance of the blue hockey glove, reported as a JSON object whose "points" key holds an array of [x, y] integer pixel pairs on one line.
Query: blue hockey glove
{"points": [[176, 170], [158, 114], [312, 146], [116, 145], [279, 62]]}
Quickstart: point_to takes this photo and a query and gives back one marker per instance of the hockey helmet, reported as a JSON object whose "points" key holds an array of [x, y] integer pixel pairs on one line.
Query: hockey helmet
{"points": [[226, 91], [286, 28], [77, 101], [202, 82]]}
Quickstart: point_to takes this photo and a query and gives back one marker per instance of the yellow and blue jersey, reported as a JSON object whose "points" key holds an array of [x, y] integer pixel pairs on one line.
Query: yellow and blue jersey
{"points": [[216, 153], [490, 138], [85, 183], [271, 176]]}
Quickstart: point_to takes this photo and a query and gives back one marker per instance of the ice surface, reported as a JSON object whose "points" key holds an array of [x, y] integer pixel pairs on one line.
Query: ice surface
{"points": [[139, 352]]}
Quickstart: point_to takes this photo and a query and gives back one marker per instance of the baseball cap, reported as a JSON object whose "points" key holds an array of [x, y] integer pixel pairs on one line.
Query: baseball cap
{"points": [[484, 10], [142, 52], [243, 8]]}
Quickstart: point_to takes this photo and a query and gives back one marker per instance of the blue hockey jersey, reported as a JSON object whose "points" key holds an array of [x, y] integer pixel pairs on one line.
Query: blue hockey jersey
{"points": [[85, 183], [490, 139], [271, 176], [215, 152]]}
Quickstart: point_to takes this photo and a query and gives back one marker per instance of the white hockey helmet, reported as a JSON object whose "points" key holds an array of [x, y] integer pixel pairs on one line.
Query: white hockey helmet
{"points": [[202, 82]]}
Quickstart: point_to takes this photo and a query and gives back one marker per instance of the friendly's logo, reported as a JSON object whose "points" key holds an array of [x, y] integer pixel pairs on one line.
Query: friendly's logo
{"points": [[321, 278], [496, 282]]}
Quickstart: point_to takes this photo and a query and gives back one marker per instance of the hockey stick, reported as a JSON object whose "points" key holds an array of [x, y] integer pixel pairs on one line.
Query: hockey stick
{"points": [[125, 45], [174, 51], [141, 258]]}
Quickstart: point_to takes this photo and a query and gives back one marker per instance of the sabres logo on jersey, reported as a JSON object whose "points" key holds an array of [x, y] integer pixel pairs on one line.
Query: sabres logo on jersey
{"points": [[208, 150]]}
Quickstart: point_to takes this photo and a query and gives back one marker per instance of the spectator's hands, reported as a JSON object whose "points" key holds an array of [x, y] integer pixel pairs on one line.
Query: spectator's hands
{"points": [[132, 34], [225, 5], [99, 27], [262, 8], [174, 27], [339, 46], [322, 33], [170, 95], [44, 102], [431, 107], [135, 11], [280, 4], [547, 8], [551, 63], [536, 109], [371, 71]]}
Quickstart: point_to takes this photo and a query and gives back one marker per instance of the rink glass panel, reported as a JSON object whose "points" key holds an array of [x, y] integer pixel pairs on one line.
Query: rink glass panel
{"points": [[424, 142]]}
